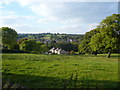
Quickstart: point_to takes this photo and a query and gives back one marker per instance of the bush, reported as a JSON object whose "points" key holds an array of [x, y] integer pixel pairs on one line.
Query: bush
{"points": [[72, 52]]}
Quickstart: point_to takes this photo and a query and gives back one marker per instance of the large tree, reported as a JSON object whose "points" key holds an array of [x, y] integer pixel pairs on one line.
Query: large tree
{"points": [[84, 46], [9, 36], [109, 37]]}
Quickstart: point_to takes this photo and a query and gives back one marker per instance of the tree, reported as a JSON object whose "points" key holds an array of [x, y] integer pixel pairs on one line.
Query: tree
{"points": [[1, 45], [109, 37], [52, 44], [37, 47], [15, 46], [33, 47], [28, 45], [84, 46], [21, 40], [67, 46], [44, 48], [9, 36]]}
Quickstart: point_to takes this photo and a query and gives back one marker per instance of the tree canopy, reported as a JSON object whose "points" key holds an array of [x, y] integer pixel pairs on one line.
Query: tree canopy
{"points": [[9, 36], [109, 37], [84, 46], [27, 45]]}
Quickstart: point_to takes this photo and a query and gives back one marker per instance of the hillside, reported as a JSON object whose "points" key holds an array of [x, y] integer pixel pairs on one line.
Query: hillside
{"points": [[47, 37]]}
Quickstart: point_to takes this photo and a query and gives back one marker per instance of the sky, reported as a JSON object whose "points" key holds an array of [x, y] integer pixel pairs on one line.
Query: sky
{"points": [[28, 16]]}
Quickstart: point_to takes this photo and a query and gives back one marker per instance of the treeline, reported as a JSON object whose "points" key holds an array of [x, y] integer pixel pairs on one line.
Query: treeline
{"points": [[50, 37], [9, 42], [68, 42], [38, 43]]}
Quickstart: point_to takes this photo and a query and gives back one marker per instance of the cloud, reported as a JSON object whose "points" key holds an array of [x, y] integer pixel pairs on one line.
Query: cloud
{"points": [[58, 12], [49, 10], [53, 16], [69, 27], [6, 2], [22, 1], [47, 20], [71, 15], [1, 7], [25, 2], [19, 23], [6, 13], [66, 29], [56, 20], [65, 11], [42, 10], [14, 19]]}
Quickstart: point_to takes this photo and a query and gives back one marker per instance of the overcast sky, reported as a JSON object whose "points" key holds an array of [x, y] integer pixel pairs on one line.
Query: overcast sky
{"points": [[61, 17]]}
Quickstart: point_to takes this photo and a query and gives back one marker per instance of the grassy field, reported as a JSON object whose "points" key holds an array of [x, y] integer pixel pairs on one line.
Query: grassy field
{"points": [[60, 71]]}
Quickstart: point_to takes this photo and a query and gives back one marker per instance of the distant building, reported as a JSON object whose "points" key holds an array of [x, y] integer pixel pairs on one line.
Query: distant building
{"points": [[58, 51]]}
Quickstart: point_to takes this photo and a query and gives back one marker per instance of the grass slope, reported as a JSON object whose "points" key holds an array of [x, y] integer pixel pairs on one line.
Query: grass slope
{"points": [[60, 71]]}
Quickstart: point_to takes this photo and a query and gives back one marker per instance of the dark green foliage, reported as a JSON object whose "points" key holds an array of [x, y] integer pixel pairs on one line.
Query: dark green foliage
{"points": [[49, 37], [37, 48], [33, 46], [84, 46], [67, 42], [21, 40], [52, 44], [15, 46], [109, 37], [40, 48], [9, 36], [68, 46], [27, 45], [105, 38]]}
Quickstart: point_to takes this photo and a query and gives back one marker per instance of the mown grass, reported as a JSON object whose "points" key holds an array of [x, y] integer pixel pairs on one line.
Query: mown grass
{"points": [[60, 71]]}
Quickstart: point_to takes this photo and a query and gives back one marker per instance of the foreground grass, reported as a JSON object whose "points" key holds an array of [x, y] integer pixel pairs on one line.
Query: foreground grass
{"points": [[60, 71]]}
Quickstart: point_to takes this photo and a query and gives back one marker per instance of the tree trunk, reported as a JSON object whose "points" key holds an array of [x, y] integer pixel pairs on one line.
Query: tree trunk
{"points": [[95, 52], [109, 53], [91, 52]]}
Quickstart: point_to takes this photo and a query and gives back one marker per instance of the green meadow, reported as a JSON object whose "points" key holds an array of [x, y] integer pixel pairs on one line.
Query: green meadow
{"points": [[60, 71]]}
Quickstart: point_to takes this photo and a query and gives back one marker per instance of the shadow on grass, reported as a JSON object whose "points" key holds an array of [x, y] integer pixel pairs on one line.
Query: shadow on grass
{"points": [[105, 55], [30, 81]]}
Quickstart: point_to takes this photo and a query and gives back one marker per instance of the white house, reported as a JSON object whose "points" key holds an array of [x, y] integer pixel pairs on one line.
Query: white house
{"points": [[52, 50], [58, 51]]}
